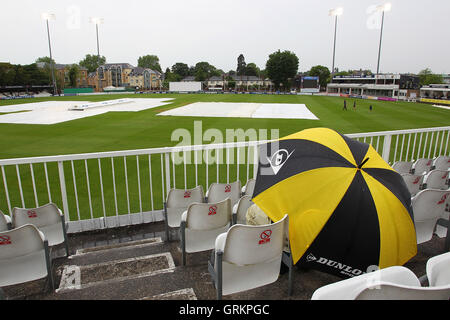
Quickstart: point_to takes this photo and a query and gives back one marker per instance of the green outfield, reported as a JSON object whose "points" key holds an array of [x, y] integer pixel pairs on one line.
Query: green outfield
{"points": [[139, 187], [136, 130]]}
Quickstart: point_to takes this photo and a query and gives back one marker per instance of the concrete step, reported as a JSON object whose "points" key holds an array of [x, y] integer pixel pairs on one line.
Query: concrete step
{"points": [[105, 253], [144, 278], [80, 277], [182, 294]]}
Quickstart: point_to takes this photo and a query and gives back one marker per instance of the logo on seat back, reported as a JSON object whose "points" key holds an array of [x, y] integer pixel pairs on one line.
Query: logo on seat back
{"points": [[443, 199], [31, 214], [228, 188], [278, 159], [187, 194], [212, 210], [5, 240], [265, 236]]}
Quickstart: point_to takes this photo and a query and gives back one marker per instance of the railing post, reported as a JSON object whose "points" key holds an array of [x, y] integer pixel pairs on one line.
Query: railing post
{"points": [[62, 182], [167, 165], [387, 147], [255, 161]]}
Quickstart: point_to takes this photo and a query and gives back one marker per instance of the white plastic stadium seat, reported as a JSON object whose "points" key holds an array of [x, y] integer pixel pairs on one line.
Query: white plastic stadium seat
{"points": [[443, 224], [201, 223], [248, 257], [421, 165], [240, 209], [441, 163], [220, 191], [5, 222], [428, 206], [393, 283], [413, 182], [436, 179], [47, 218], [178, 200], [438, 270], [24, 256], [402, 166], [247, 190]]}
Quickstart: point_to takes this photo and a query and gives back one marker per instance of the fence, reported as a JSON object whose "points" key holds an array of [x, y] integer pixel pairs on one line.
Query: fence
{"points": [[110, 189]]}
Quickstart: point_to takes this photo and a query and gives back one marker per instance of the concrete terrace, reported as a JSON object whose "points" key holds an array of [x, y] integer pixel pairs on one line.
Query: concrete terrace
{"points": [[136, 263]]}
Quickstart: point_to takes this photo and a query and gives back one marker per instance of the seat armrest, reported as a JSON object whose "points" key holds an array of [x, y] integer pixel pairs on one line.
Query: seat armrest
{"points": [[42, 235], [235, 208], [220, 242], [184, 216], [7, 218]]}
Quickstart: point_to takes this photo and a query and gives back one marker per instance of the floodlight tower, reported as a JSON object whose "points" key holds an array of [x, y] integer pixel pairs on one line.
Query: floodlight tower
{"points": [[335, 12], [383, 8], [97, 21], [47, 16]]}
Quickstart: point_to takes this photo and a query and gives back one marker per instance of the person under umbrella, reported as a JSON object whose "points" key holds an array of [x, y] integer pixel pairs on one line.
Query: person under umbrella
{"points": [[349, 211]]}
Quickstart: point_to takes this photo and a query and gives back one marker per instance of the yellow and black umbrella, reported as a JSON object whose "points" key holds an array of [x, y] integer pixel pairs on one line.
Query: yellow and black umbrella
{"points": [[349, 211]]}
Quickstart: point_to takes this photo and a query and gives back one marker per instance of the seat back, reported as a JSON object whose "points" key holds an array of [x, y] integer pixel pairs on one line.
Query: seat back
{"points": [[4, 221], [436, 179], [220, 191], [441, 163], [438, 270], [349, 289], [208, 216], [250, 187], [242, 206], [42, 216], [413, 182], [247, 245], [20, 241], [392, 291], [402, 166], [180, 198], [421, 165], [428, 206]]}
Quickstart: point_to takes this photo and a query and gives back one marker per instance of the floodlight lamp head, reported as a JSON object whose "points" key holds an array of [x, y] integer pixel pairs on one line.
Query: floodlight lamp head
{"points": [[96, 20], [385, 7], [336, 11], [47, 16]]}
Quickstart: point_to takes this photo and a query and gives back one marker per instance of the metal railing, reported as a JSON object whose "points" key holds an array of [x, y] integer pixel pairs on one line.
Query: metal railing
{"points": [[111, 189]]}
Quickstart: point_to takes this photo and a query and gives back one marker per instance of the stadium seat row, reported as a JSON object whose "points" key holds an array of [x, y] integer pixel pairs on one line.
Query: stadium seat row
{"points": [[422, 165], [393, 283], [26, 239], [241, 253]]}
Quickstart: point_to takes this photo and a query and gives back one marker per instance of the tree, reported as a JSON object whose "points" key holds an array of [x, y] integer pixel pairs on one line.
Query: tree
{"points": [[281, 67], [73, 75], [427, 77], [46, 60], [92, 62], [203, 70], [252, 70], [7, 74], [181, 69], [322, 72], [149, 61], [240, 70]]}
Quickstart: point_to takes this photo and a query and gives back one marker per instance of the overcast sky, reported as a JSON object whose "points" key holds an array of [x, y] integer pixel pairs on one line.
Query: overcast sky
{"points": [[416, 34]]}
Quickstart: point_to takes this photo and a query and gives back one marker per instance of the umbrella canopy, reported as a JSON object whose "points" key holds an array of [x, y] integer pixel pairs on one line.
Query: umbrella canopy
{"points": [[349, 211]]}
